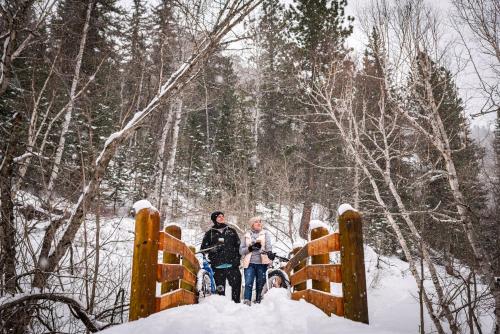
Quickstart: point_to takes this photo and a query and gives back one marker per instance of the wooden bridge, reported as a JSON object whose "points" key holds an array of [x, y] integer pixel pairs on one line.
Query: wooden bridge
{"points": [[178, 270]]}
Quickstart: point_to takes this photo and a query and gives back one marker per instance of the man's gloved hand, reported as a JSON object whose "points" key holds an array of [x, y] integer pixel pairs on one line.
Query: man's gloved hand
{"points": [[271, 255], [254, 246]]}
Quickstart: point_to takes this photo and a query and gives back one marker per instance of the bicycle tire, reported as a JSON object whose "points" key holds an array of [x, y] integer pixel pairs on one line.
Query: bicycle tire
{"points": [[203, 285], [276, 279]]}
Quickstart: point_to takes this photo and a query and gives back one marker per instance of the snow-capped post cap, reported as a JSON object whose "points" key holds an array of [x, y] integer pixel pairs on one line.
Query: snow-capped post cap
{"points": [[345, 207], [317, 223], [142, 204]]}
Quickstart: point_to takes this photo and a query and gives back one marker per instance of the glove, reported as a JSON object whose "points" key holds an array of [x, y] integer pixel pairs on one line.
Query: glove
{"points": [[255, 246], [271, 255]]}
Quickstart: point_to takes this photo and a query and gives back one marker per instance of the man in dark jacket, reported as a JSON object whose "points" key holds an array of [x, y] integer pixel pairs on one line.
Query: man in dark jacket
{"points": [[224, 260]]}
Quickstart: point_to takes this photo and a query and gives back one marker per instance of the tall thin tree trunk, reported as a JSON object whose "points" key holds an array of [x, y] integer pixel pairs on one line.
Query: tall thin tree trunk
{"points": [[352, 142], [97, 254], [441, 141], [7, 220], [356, 184], [160, 159], [69, 110], [169, 174]]}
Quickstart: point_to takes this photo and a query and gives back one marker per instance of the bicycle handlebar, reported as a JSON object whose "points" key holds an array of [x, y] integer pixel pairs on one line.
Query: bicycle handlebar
{"points": [[281, 258], [207, 250]]}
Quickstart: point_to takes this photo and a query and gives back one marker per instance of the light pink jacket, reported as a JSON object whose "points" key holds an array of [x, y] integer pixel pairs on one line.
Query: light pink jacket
{"points": [[263, 257]]}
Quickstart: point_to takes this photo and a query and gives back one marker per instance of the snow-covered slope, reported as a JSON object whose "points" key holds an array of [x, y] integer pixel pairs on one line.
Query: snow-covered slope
{"points": [[276, 314]]}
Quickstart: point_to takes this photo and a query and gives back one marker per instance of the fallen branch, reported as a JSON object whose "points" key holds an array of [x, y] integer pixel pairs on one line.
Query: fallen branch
{"points": [[74, 305]]}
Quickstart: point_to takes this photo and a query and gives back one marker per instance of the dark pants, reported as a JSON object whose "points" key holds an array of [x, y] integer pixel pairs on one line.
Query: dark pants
{"points": [[255, 272], [233, 276]]}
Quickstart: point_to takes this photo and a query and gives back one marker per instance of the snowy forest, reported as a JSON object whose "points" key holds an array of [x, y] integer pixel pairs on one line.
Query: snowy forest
{"points": [[250, 107]]}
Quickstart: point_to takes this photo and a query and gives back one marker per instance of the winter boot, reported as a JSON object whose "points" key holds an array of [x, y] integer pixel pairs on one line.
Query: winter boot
{"points": [[247, 302]]}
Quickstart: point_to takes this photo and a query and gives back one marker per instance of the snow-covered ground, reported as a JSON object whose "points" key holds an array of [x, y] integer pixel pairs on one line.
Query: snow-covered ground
{"points": [[276, 314], [392, 303]]}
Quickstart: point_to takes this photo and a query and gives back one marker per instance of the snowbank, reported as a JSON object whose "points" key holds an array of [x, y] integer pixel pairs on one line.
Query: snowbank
{"points": [[217, 314]]}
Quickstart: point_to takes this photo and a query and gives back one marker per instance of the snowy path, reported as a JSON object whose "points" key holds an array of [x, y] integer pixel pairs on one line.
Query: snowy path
{"points": [[276, 314]]}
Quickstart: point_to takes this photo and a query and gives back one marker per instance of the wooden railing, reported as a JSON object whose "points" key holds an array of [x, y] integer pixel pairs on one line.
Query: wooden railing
{"points": [[177, 272], [350, 272], [178, 280]]}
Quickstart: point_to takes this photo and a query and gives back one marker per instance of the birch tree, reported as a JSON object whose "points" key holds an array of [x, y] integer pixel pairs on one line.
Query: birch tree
{"points": [[376, 165], [482, 46], [72, 97], [414, 32]]}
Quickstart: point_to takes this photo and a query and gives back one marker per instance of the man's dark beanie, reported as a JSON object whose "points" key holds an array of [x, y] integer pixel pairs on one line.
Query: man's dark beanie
{"points": [[214, 215]]}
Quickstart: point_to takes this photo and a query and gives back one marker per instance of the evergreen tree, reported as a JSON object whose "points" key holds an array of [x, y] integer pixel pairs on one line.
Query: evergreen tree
{"points": [[216, 144], [277, 132], [319, 29], [93, 118]]}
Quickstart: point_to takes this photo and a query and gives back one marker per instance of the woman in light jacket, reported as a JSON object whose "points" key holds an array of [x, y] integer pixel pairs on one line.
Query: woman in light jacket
{"points": [[254, 246]]}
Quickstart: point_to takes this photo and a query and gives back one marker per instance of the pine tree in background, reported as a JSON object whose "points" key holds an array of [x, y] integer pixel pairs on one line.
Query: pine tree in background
{"points": [[319, 29], [93, 119], [216, 141], [277, 132]]}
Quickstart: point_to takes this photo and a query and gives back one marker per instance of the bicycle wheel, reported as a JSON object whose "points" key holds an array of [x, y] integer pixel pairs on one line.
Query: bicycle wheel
{"points": [[275, 279], [203, 284]]}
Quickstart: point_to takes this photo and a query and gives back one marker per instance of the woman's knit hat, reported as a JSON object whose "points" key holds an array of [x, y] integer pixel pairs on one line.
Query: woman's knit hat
{"points": [[255, 219]]}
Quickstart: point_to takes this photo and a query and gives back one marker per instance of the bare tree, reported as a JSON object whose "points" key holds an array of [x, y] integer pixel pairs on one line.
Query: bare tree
{"points": [[412, 31], [15, 20], [376, 165], [482, 17]]}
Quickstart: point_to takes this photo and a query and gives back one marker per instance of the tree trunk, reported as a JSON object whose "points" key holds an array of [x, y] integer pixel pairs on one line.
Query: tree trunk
{"points": [[7, 221], [13, 24], [160, 159], [305, 219], [169, 175], [69, 110]]}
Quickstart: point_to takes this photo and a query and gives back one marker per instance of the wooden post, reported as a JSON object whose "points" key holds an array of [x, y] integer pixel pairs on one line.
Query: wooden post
{"points": [[189, 266], [145, 259], [302, 264], [317, 233], [174, 231], [353, 266]]}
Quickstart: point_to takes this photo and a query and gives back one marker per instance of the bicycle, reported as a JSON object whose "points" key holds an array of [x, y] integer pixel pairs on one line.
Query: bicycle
{"points": [[205, 282], [276, 277]]}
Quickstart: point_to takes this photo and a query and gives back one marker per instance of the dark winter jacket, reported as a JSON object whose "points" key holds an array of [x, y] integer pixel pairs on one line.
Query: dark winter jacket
{"points": [[228, 252]]}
